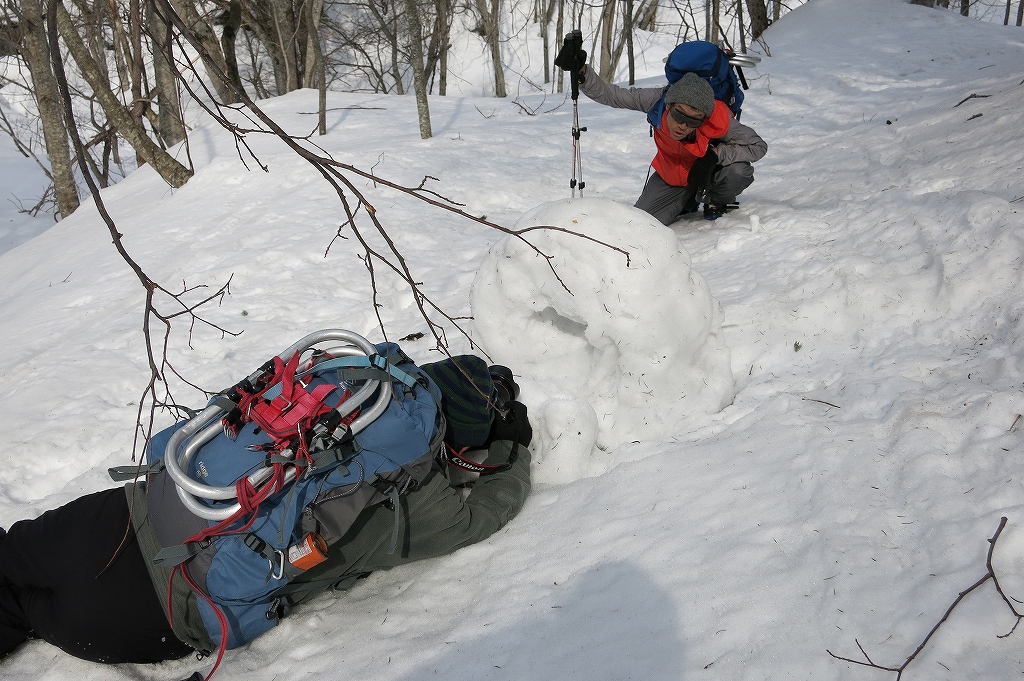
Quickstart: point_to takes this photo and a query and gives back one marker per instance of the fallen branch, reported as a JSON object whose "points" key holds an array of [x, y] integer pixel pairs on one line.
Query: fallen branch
{"points": [[971, 96], [868, 662]]}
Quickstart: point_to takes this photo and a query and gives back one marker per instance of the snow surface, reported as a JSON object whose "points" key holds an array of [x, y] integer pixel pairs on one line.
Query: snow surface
{"points": [[871, 305]]}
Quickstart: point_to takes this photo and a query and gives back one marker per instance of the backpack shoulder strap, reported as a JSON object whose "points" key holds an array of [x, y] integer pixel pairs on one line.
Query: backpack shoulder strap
{"points": [[655, 113]]}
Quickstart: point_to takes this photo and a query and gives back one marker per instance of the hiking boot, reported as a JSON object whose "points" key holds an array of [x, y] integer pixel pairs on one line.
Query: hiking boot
{"points": [[713, 212]]}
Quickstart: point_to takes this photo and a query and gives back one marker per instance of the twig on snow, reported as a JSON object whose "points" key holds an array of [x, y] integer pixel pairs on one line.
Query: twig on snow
{"points": [[868, 662]]}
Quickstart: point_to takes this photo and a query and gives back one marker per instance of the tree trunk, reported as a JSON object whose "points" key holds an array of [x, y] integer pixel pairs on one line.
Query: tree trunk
{"points": [[49, 104], [607, 27], [559, 28], [316, 70], [545, 34], [121, 43], [216, 66], [648, 16], [10, 35], [396, 71], [169, 124], [437, 47], [311, 19], [776, 9], [493, 34], [716, 25], [758, 18], [419, 77], [965, 7], [138, 105], [228, 39], [743, 32], [628, 29], [173, 172], [1020, 13], [285, 30], [444, 9]]}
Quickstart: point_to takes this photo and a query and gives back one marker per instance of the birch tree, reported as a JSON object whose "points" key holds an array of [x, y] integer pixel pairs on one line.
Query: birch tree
{"points": [[36, 53], [412, 14]]}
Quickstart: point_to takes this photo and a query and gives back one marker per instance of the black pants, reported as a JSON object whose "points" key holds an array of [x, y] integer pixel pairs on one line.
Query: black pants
{"points": [[58, 583]]}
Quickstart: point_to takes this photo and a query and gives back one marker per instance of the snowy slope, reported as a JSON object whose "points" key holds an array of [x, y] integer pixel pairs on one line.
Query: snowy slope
{"points": [[871, 292]]}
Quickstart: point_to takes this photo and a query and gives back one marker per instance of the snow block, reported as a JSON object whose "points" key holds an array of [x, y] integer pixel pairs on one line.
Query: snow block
{"points": [[640, 342]]}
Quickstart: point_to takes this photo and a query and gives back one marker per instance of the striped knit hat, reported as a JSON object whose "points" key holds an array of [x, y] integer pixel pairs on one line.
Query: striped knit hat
{"points": [[468, 389]]}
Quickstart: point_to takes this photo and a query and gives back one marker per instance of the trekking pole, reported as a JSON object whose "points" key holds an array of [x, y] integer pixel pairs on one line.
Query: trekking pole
{"points": [[575, 59], [577, 156]]}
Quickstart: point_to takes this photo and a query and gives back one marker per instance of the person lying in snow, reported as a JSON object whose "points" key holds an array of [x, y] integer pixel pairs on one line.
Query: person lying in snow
{"points": [[701, 146], [81, 576]]}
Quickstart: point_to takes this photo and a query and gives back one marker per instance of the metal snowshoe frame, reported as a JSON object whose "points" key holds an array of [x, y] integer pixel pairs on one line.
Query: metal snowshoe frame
{"points": [[207, 425]]}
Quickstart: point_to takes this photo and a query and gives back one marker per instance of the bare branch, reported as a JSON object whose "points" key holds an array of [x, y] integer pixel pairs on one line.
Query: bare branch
{"points": [[990, 574]]}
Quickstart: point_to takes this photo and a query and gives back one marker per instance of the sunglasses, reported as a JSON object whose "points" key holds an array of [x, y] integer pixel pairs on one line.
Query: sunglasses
{"points": [[685, 119]]}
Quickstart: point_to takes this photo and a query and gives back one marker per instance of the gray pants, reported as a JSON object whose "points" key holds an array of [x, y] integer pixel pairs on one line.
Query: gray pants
{"points": [[666, 202]]}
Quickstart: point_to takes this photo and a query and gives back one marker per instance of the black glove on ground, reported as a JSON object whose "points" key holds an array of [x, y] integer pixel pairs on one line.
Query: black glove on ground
{"points": [[702, 169], [572, 57]]}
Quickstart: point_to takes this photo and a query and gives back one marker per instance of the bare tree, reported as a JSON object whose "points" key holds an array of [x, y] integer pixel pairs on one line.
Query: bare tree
{"points": [[36, 52], [10, 36], [281, 39], [419, 76], [546, 12], [316, 72], [212, 55], [169, 125], [627, 30], [612, 42], [439, 44], [173, 172], [231, 20], [560, 32], [606, 30], [366, 52], [488, 26], [758, 18], [716, 20], [647, 17], [495, 43]]}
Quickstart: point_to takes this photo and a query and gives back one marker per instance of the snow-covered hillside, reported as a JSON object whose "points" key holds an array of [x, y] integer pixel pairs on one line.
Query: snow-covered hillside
{"points": [[871, 299]]}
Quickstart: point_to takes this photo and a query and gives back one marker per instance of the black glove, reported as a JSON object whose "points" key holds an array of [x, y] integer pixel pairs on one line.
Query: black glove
{"points": [[572, 57], [515, 426], [702, 169]]}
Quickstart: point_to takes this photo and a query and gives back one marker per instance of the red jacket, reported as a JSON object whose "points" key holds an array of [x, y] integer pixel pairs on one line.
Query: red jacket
{"points": [[674, 158]]}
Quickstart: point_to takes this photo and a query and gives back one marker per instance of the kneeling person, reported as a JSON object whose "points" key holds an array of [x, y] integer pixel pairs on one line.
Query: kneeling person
{"points": [[703, 152]]}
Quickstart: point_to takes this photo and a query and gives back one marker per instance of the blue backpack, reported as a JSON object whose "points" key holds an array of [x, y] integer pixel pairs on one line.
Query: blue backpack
{"points": [[708, 61], [275, 470]]}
